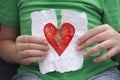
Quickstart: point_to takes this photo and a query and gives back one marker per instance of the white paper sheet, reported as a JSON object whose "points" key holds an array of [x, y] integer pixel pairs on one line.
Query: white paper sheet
{"points": [[71, 59]]}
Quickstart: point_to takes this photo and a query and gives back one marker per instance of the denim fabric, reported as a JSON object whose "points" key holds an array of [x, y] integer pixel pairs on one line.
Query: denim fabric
{"points": [[111, 74], [26, 76]]}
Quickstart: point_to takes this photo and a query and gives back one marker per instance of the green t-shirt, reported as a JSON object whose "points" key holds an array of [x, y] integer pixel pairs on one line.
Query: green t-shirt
{"points": [[17, 13]]}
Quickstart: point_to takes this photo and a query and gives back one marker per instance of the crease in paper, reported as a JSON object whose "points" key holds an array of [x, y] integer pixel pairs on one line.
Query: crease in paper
{"points": [[71, 59]]}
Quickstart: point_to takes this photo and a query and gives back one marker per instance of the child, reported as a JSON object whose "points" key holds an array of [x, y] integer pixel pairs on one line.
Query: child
{"points": [[19, 46]]}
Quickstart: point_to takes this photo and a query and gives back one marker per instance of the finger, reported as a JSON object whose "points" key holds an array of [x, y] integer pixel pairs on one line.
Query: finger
{"points": [[106, 56], [95, 39], [31, 39], [102, 46], [32, 53], [93, 32], [32, 46], [30, 60]]}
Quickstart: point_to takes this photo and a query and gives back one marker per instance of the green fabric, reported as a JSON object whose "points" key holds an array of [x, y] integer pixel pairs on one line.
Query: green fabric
{"points": [[16, 13], [8, 18]]}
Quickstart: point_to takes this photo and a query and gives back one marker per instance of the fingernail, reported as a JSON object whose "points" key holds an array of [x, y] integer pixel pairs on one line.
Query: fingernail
{"points": [[85, 55], [96, 60]]}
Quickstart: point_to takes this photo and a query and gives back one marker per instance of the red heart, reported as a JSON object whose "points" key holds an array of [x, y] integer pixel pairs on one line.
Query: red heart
{"points": [[66, 34]]}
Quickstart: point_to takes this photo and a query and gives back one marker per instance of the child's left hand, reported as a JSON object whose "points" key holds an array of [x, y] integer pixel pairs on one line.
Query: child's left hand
{"points": [[107, 38]]}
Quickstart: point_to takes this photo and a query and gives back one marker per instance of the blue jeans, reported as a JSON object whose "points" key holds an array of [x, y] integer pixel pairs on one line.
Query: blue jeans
{"points": [[26, 76], [110, 74]]}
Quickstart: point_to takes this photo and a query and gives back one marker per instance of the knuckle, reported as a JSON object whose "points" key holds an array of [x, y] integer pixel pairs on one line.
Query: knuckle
{"points": [[96, 38], [106, 26], [43, 53], [18, 39], [28, 61], [18, 46], [108, 56], [30, 46], [29, 53], [118, 50], [92, 51], [93, 39], [110, 32], [23, 61], [101, 47], [20, 55], [87, 42], [41, 58], [46, 48]]}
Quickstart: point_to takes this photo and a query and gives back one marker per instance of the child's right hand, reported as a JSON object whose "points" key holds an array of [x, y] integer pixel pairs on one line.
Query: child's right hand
{"points": [[30, 49]]}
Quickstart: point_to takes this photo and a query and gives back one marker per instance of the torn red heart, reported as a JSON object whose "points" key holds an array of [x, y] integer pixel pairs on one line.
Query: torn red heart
{"points": [[67, 31]]}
